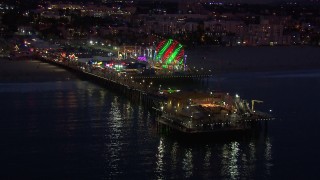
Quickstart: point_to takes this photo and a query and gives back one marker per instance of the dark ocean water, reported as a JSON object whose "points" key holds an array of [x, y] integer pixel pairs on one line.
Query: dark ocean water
{"points": [[78, 130]]}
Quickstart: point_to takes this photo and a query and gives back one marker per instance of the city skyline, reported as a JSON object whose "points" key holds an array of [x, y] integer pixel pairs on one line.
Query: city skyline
{"points": [[223, 1], [239, 1], [159, 89]]}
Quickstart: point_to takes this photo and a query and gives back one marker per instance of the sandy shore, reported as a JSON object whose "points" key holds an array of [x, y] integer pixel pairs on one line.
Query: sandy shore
{"points": [[31, 71], [220, 60]]}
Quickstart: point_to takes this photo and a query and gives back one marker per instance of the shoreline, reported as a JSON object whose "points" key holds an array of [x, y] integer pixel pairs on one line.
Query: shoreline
{"points": [[15, 71], [219, 60]]}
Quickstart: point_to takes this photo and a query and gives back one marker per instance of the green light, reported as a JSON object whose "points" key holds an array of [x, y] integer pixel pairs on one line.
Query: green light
{"points": [[164, 48], [174, 54], [170, 52]]}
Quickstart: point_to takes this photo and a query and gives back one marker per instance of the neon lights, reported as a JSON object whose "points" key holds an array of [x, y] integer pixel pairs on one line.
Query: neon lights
{"points": [[173, 55], [163, 49], [170, 52], [180, 57], [142, 58]]}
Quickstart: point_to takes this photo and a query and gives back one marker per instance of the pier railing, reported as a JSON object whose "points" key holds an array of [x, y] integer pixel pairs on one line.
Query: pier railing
{"points": [[136, 88]]}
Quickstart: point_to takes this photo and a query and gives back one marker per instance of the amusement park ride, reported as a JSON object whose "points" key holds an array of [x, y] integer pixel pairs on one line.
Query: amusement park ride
{"points": [[170, 55], [167, 55], [189, 112]]}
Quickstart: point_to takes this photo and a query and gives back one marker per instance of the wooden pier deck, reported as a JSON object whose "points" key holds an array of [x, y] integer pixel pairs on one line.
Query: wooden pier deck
{"points": [[136, 89]]}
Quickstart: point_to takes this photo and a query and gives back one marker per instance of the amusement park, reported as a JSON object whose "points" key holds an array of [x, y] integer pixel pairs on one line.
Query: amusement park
{"points": [[145, 73], [166, 58]]}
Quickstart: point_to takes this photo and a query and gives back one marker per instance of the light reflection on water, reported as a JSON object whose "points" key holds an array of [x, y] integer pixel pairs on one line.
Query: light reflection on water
{"points": [[160, 161], [207, 157], [268, 155], [93, 131], [233, 159], [187, 165], [174, 156], [79, 130], [114, 135]]}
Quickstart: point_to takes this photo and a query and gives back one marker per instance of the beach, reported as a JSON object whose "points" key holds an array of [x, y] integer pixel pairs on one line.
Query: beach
{"points": [[54, 125], [31, 71], [218, 59]]}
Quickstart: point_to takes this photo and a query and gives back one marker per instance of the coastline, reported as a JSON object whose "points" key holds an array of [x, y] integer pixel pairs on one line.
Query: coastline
{"points": [[13, 71], [220, 60]]}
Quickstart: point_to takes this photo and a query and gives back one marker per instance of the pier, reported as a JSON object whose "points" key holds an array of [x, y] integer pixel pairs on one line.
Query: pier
{"points": [[186, 112]]}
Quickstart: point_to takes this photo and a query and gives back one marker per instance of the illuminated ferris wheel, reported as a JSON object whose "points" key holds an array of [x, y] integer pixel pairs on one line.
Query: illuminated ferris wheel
{"points": [[170, 54]]}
